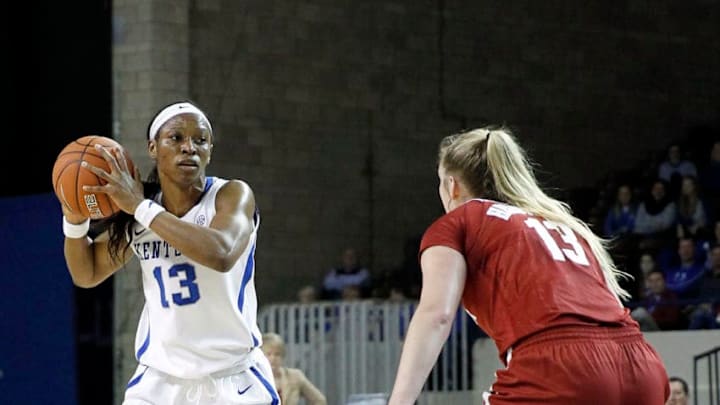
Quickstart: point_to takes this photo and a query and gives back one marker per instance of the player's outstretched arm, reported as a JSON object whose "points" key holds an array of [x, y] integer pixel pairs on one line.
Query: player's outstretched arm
{"points": [[443, 282]]}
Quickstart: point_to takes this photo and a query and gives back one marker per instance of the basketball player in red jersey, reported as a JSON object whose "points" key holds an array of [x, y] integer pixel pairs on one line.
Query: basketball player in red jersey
{"points": [[536, 279]]}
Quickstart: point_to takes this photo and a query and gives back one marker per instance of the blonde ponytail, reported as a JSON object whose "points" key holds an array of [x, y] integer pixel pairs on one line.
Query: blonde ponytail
{"points": [[511, 178]]}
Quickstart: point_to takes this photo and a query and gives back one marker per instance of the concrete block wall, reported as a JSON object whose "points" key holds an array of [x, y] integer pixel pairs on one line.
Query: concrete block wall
{"points": [[332, 110]]}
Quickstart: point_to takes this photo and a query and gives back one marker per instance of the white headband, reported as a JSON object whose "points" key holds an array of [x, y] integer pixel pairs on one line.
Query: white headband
{"points": [[171, 111]]}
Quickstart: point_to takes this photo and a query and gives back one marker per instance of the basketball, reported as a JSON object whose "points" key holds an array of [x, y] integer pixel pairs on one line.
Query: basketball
{"points": [[68, 177]]}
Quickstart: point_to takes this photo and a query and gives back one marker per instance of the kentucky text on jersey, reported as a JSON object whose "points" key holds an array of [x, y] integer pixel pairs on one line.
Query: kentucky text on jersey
{"points": [[154, 249]]}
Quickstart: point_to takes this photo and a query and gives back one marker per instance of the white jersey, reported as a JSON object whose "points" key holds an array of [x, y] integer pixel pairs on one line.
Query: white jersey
{"points": [[196, 320]]}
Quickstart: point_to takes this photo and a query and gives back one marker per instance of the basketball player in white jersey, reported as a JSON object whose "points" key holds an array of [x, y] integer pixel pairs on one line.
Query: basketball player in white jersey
{"points": [[197, 341]]}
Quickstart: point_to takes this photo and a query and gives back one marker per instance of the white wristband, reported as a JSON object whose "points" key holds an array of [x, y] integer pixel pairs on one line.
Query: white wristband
{"points": [[146, 212], [75, 231]]}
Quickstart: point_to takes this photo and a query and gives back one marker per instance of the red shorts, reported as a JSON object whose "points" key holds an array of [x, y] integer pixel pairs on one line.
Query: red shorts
{"points": [[582, 365]]}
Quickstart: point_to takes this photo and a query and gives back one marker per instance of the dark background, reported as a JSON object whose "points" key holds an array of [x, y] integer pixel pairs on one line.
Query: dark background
{"points": [[59, 81], [59, 87]]}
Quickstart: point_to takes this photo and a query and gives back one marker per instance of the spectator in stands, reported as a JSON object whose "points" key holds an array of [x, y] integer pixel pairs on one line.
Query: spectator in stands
{"points": [[349, 273], [307, 294], [679, 391], [660, 310], [655, 218], [684, 277], [292, 383], [709, 242], [646, 265], [674, 167], [710, 175], [351, 292], [714, 238], [706, 314], [397, 294], [620, 218], [618, 224], [691, 210]]}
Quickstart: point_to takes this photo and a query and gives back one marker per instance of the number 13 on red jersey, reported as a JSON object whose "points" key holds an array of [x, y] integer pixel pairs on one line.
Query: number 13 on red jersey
{"points": [[574, 253]]}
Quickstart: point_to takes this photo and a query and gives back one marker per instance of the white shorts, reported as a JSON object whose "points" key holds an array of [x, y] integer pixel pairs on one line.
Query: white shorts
{"points": [[249, 386]]}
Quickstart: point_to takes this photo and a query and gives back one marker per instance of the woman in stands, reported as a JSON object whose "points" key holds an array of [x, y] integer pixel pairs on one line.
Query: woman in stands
{"points": [[534, 278], [620, 218], [656, 217], [692, 215]]}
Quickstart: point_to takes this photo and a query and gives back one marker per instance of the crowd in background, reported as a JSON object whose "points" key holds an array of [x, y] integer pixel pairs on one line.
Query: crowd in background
{"points": [[663, 219]]}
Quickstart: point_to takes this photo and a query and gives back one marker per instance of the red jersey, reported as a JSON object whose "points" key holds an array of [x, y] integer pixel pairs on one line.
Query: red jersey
{"points": [[524, 274]]}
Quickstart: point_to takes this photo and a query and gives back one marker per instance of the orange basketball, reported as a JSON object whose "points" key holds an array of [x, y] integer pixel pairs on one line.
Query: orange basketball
{"points": [[68, 177]]}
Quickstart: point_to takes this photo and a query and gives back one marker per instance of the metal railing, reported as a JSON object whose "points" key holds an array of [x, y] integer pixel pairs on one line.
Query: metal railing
{"points": [[713, 380], [350, 348]]}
